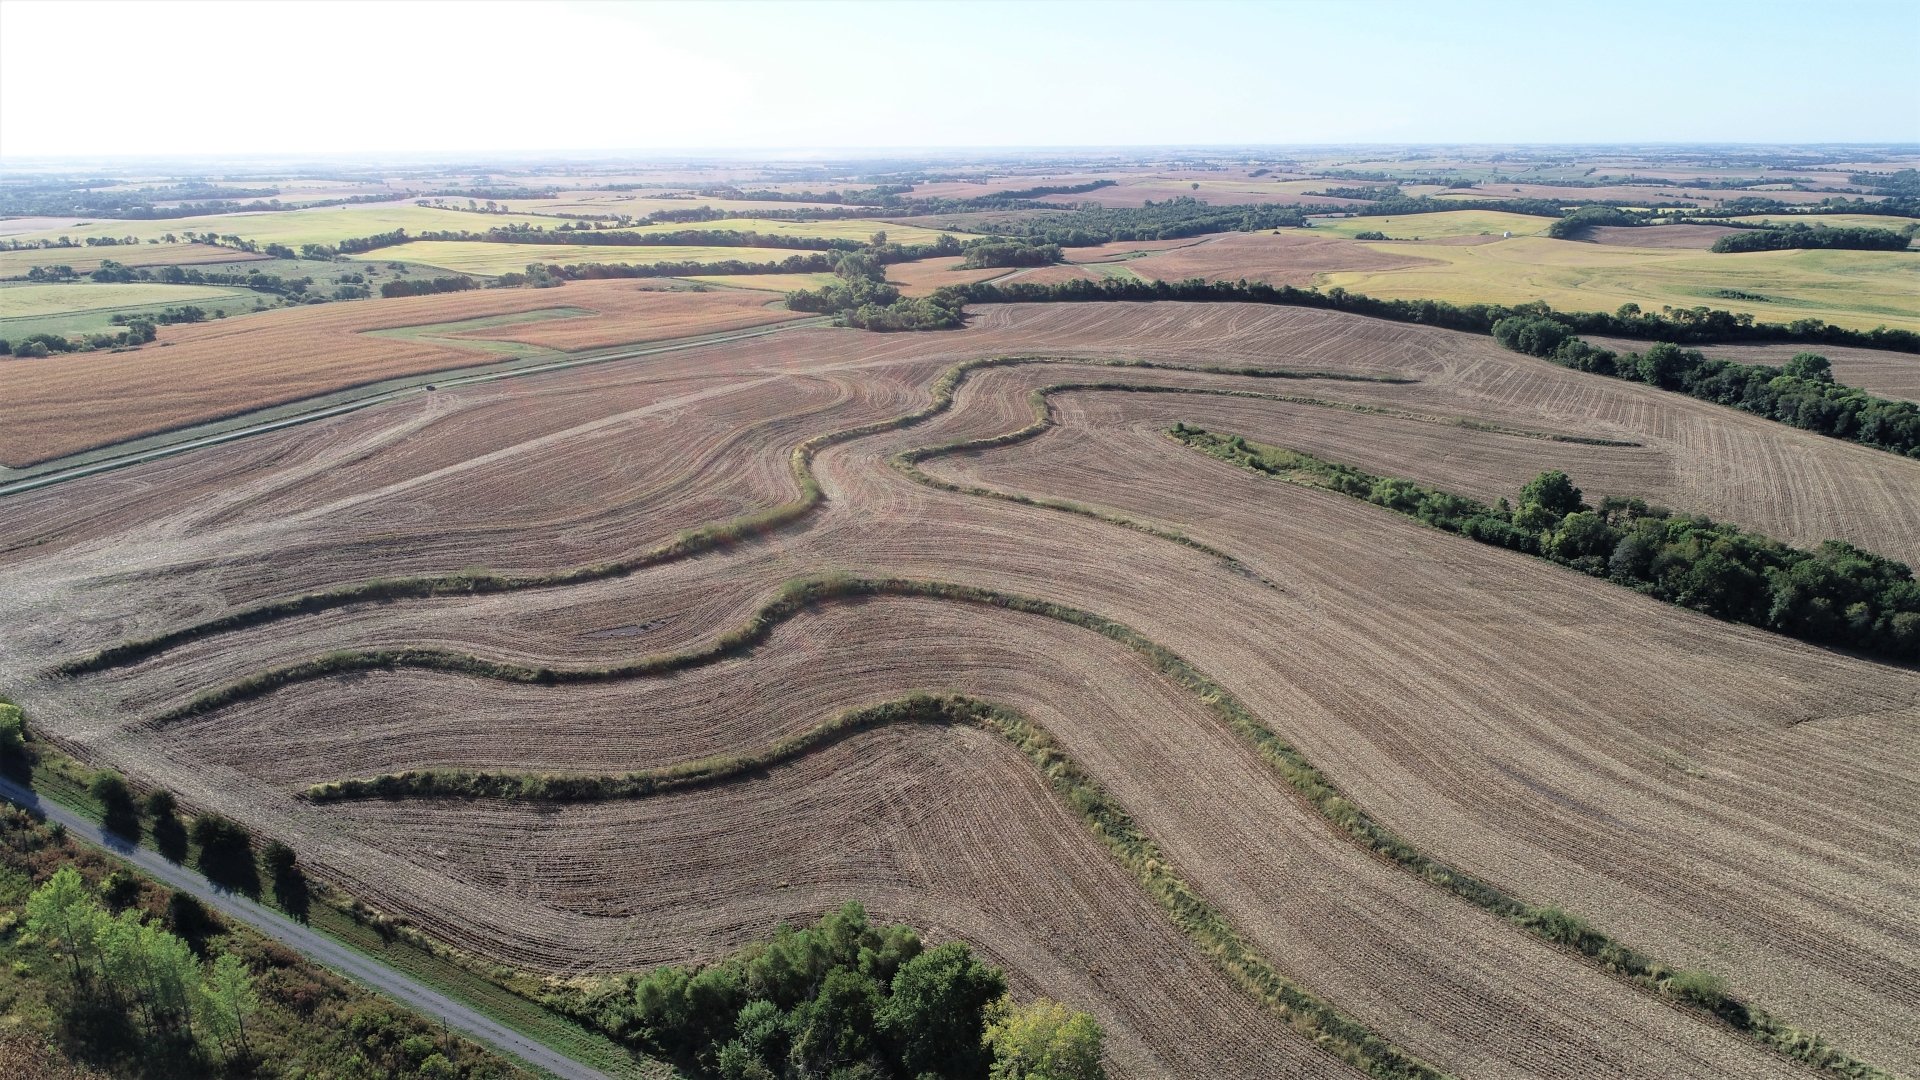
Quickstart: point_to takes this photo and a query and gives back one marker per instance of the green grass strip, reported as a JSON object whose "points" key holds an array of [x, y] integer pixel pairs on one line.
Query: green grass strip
{"points": [[709, 537], [908, 461], [1699, 992], [1331, 1030]]}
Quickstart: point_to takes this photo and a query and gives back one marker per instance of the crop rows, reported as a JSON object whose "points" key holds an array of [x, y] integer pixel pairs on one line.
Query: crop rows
{"points": [[1426, 678]]}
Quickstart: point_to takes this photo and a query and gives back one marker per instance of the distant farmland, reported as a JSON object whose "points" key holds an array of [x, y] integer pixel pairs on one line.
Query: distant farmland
{"points": [[1861, 289], [479, 257], [15, 264], [66, 403], [323, 225]]}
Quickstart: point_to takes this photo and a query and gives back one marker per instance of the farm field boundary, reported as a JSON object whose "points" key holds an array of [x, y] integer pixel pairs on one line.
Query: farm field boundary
{"points": [[351, 399], [1698, 993]]}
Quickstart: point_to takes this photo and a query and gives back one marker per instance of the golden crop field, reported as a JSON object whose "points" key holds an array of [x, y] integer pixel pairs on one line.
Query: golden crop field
{"points": [[1442, 225], [1860, 289]]}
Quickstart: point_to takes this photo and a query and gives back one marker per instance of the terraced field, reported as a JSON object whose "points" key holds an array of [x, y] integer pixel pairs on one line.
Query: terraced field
{"points": [[1198, 641]]}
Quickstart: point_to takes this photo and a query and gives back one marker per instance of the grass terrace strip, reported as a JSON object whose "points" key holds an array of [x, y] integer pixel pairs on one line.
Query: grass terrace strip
{"points": [[908, 461], [1333, 1031], [709, 537], [1698, 992]]}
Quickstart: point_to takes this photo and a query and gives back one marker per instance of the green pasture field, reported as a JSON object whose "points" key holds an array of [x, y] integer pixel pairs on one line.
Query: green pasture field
{"points": [[1446, 223], [88, 307], [492, 260], [1858, 289]]}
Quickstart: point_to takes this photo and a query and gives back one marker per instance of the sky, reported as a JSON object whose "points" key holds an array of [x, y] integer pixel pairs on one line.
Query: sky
{"points": [[157, 78]]}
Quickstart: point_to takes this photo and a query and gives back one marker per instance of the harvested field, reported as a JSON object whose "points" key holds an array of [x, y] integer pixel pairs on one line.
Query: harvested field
{"points": [[1857, 289], [1642, 787], [1443, 225], [922, 277], [1685, 237], [1288, 258], [14, 264], [205, 371]]}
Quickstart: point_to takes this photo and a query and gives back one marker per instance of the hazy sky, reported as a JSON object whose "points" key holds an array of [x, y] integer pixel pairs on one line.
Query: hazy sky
{"points": [[89, 78]]}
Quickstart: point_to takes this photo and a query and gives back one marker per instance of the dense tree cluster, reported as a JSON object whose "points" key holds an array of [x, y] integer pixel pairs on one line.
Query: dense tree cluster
{"points": [[1902, 183], [863, 299], [1582, 221], [1795, 235], [1802, 392], [1369, 193], [140, 971], [981, 254], [1836, 595], [845, 1000], [1169, 219], [129, 978], [15, 763], [426, 286]]}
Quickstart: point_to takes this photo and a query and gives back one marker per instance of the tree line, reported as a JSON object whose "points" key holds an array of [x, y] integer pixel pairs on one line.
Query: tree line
{"points": [[1698, 324], [1801, 393], [846, 1000], [982, 254], [1796, 235], [1836, 595]]}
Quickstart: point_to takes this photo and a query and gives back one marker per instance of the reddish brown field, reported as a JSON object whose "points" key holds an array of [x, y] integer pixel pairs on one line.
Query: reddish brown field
{"points": [[921, 278], [1287, 258], [77, 401], [1718, 796], [1669, 237]]}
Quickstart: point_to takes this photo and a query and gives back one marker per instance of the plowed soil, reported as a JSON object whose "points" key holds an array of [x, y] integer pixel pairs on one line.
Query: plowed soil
{"points": [[1718, 796]]}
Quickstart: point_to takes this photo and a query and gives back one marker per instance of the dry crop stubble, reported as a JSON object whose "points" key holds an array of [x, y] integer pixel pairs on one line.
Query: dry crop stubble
{"points": [[1426, 971], [1434, 624], [206, 371]]}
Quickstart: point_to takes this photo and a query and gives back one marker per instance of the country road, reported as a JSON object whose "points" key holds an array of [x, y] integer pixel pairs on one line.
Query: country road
{"points": [[316, 946]]}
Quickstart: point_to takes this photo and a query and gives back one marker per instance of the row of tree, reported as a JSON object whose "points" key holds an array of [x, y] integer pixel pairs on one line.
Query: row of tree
{"points": [[428, 286], [1697, 324], [848, 1000], [990, 253], [1835, 595], [1801, 392], [1795, 235]]}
